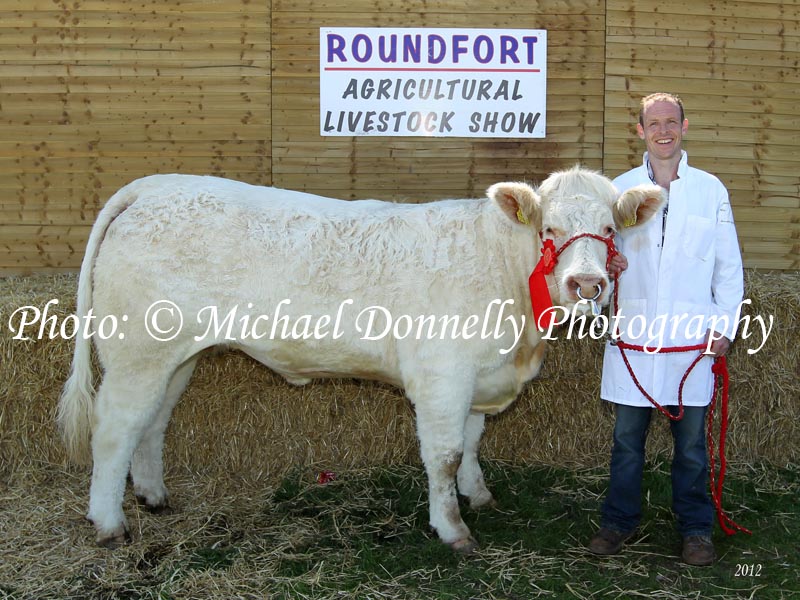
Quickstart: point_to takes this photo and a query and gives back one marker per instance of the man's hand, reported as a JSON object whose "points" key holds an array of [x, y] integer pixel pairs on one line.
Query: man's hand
{"points": [[719, 347], [617, 265]]}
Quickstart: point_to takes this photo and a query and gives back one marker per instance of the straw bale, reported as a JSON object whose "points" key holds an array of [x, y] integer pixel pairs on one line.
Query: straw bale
{"points": [[239, 420]]}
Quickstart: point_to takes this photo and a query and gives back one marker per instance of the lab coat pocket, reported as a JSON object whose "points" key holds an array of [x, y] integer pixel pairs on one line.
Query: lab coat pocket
{"points": [[698, 240]]}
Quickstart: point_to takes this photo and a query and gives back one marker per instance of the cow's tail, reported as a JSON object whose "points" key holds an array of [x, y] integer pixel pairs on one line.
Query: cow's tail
{"points": [[76, 404]]}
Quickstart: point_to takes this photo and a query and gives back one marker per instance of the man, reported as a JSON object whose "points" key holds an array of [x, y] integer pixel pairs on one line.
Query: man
{"points": [[684, 278]]}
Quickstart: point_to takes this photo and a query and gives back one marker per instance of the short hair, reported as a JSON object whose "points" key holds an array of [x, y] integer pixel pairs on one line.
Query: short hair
{"points": [[659, 97]]}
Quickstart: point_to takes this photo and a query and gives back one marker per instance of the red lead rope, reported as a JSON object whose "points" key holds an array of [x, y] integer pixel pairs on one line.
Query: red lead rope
{"points": [[541, 301], [721, 383]]}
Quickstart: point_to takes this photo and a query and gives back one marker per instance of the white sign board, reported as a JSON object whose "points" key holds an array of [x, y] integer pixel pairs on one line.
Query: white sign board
{"points": [[433, 82]]}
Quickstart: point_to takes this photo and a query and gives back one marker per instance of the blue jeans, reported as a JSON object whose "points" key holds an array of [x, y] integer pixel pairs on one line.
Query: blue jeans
{"points": [[622, 507]]}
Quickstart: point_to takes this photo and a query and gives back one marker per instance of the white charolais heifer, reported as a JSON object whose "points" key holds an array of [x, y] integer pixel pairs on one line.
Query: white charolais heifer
{"points": [[206, 244]]}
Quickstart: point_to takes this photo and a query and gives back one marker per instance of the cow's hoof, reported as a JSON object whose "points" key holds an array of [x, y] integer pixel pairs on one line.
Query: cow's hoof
{"points": [[163, 508], [118, 538], [465, 546]]}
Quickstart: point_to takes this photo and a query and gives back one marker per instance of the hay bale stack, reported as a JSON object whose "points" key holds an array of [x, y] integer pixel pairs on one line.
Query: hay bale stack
{"points": [[238, 417]]}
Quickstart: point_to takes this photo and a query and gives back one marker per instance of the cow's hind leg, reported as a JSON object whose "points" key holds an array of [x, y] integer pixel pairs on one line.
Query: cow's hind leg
{"points": [[440, 427], [470, 477], [125, 407], [147, 467]]}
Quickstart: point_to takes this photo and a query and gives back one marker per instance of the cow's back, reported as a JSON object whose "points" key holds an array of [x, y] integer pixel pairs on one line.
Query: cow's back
{"points": [[211, 246]]}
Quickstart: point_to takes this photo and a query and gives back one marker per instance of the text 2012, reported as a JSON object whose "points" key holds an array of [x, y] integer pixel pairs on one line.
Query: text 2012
{"points": [[748, 570]]}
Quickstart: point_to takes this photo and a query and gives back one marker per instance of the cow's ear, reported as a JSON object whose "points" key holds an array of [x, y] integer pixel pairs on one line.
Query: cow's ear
{"points": [[519, 202], [637, 205]]}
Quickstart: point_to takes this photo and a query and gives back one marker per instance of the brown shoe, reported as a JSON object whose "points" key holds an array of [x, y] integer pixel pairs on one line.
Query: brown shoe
{"points": [[607, 541], [698, 550]]}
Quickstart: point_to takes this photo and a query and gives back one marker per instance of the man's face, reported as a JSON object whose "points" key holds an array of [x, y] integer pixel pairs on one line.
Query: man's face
{"points": [[663, 130]]}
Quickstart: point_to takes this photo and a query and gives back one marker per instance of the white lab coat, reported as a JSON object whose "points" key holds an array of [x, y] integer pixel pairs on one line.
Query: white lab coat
{"points": [[698, 274]]}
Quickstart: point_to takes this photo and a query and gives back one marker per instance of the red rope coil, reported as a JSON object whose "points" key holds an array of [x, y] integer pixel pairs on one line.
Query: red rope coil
{"points": [[721, 384]]}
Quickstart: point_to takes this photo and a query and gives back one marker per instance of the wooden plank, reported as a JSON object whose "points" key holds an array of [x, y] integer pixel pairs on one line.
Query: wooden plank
{"points": [[54, 167], [122, 69], [700, 147], [767, 261], [58, 115], [126, 21], [769, 231], [765, 199], [143, 132], [179, 7], [764, 214], [222, 54], [16, 107], [36, 269], [714, 133], [188, 80], [710, 41], [447, 183], [709, 118], [653, 9], [189, 38], [637, 87], [744, 24], [433, 166], [617, 163], [282, 21], [404, 148], [97, 186], [570, 127], [700, 102], [787, 249], [103, 149], [459, 7], [651, 51], [710, 72]]}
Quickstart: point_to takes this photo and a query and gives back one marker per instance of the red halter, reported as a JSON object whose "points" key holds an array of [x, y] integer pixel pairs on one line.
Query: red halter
{"points": [[541, 300]]}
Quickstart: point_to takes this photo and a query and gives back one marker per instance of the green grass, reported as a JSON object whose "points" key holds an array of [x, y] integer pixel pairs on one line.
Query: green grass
{"points": [[369, 532]]}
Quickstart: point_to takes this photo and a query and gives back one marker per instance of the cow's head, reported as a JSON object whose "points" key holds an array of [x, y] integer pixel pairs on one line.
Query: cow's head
{"points": [[567, 204]]}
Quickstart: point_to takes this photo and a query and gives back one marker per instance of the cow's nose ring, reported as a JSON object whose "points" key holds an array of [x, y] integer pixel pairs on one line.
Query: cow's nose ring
{"points": [[595, 297]]}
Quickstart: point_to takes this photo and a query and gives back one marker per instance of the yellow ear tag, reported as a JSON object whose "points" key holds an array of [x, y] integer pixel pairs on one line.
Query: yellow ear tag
{"points": [[521, 217], [630, 222]]}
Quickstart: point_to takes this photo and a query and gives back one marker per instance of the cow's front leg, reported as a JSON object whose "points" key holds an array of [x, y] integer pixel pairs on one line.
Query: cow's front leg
{"points": [[470, 477], [440, 427]]}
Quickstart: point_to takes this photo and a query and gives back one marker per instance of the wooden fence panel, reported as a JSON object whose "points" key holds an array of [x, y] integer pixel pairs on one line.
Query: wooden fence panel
{"points": [[735, 65], [97, 93]]}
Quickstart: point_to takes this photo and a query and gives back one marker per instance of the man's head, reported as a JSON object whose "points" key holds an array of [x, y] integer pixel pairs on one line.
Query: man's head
{"points": [[662, 125]]}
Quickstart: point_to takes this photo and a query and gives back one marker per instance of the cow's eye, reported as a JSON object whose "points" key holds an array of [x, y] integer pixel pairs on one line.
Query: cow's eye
{"points": [[549, 231], [608, 230]]}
